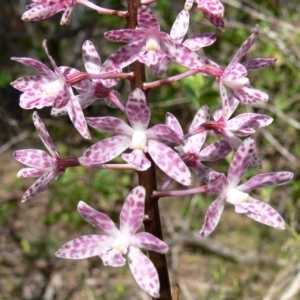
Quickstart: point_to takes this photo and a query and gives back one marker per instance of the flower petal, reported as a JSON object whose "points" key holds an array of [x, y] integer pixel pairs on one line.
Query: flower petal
{"points": [[146, 19], [241, 161], [163, 132], [39, 12], [91, 58], [125, 35], [266, 179], [104, 151], [124, 56], [115, 125], [200, 40], [33, 63], [98, 219], [143, 271], [245, 46], [113, 258], [148, 241], [213, 11], [217, 182], [132, 213], [137, 159], [34, 158], [35, 99], [180, 26], [30, 172], [258, 63], [248, 120], [41, 184], [214, 151], [212, 217], [77, 117], [180, 53], [261, 212], [173, 123], [44, 135], [137, 110], [85, 246], [169, 162]]}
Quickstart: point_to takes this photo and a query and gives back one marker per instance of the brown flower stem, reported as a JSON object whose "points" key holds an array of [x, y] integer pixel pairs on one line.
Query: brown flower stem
{"points": [[148, 178]]}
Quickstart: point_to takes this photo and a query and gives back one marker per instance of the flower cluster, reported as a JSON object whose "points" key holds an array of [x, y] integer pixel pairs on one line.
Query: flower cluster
{"points": [[167, 146]]}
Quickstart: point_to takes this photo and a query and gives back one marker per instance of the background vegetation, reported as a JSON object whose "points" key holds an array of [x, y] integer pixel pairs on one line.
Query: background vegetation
{"points": [[242, 259]]}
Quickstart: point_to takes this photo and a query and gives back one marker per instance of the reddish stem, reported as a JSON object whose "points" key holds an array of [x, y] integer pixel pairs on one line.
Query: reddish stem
{"points": [[148, 178]]}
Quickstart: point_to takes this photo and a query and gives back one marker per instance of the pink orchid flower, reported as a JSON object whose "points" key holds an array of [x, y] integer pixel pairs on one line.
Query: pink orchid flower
{"points": [[140, 139], [40, 163], [147, 44], [118, 242], [50, 89], [229, 190]]}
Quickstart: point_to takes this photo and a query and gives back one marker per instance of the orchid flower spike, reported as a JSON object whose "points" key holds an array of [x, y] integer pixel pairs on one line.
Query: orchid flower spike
{"points": [[40, 163], [229, 191], [116, 243]]}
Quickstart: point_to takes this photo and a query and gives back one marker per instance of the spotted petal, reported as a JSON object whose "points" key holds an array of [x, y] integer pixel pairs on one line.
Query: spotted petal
{"points": [[169, 162], [98, 219], [77, 117], [200, 40], [33, 63], [148, 241], [146, 19], [143, 271], [35, 99], [241, 161], [173, 123], [41, 184], [213, 10], [137, 110], [261, 212], [91, 58], [180, 26], [257, 63], [214, 151], [37, 12], [245, 47], [132, 213], [163, 132], [104, 151], [266, 179], [124, 56], [212, 216], [137, 159], [115, 125], [44, 135], [125, 35], [180, 53], [34, 158], [85, 246], [30, 172]]}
